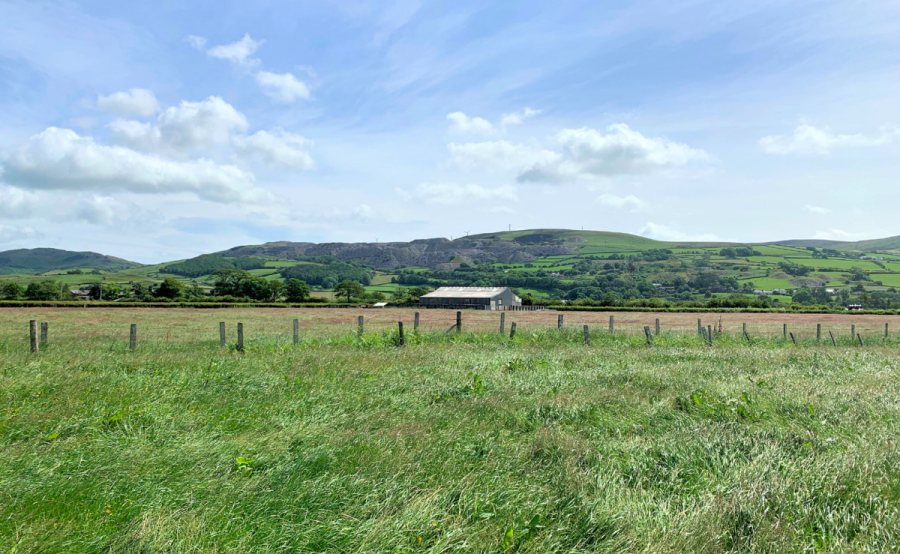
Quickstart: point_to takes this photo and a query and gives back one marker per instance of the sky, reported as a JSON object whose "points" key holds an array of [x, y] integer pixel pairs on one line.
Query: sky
{"points": [[160, 130]]}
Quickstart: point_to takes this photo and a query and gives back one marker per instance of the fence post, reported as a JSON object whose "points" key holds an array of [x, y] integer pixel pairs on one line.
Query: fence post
{"points": [[700, 326], [648, 335], [416, 322], [132, 337], [512, 329], [32, 335], [853, 331], [240, 333], [459, 322], [560, 321], [887, 333], [709, 333], [818, 332], [587, 335], [657, 327], [859, 337], [360, 325], [296, 331], [793, 339], [744, 331], [833, 342], [400, 329], [45, 334], [502, 322], [222, 341], [612, 324], [785, 331]]}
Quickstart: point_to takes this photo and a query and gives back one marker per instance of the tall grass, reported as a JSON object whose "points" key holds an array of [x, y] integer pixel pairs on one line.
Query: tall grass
{"points": [[468, 442]]}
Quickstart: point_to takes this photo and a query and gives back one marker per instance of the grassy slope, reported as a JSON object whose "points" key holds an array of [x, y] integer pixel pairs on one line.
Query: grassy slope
{"points": [[40, 260], [465, 443]]}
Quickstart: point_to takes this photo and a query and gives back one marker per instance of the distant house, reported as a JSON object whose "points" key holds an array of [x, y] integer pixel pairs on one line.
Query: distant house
{"points": [[485, 298], [379, 304], [854, 307], [81, 294]]}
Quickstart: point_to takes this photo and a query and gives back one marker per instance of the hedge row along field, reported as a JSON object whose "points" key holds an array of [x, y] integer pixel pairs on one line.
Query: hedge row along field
{"points": [[468, 441]]}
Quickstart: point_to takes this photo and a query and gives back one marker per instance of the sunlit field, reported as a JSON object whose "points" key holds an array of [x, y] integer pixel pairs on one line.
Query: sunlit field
{"points": [[469, 441]]}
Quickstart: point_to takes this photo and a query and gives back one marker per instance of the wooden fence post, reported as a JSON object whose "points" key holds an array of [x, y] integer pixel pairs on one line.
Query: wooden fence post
{"points": [[699, 326], [132, 337], [709, 333], [859, 337], [416, 322], [360, 325], [502, 322], [560, 321], [784, 331], [240, 337], [222, 340], [587, 335], [612, 324], [296, 331], [793, 338], [833, 342], [648, 335], [459, 322], [32, 336], [512, 329], [887, 333], [657, 327], [400, 329], [853, 331], [818, 332], [45, 334], [744, 331]]}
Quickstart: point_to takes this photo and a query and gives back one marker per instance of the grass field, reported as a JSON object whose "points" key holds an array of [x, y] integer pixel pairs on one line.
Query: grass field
{"points": [[456, 442]]}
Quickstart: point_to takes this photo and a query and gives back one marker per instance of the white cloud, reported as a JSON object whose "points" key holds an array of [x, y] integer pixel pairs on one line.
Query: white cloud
{"points": [[16, 203], [664, 232], [498, 154], [136, 101], [448, 194], [283, 87], [519, 117], [462, 123], [196, 125], [810, 140], [630, 202], [277, 147], [137, 134], [238, 53], [839, 234], [60, 159], [196, 42], [9, 233], [816, 209], [588, 153], [101, 210]]}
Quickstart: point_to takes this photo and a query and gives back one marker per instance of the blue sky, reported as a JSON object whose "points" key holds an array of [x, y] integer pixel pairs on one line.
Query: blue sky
{"points": [[160, 130]]}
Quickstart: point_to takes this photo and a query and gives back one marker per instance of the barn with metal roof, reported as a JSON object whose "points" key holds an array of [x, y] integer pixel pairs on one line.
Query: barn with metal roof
{"points": [[484, 298]]}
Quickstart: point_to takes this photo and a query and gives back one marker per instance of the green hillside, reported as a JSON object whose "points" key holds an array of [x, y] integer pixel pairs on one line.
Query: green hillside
{"points": [[41, 260], [542, 265]]}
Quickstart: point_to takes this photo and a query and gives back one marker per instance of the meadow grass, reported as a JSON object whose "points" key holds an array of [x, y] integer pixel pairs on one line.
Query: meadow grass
{"points": [[455, 442]]}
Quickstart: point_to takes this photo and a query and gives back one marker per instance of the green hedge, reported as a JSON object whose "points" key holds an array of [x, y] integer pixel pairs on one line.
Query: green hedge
{"points": [[698, 309]]}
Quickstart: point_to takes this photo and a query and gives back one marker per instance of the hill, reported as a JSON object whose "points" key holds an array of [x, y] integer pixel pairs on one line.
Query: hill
{"points": [[874, 245], [42, 260]]}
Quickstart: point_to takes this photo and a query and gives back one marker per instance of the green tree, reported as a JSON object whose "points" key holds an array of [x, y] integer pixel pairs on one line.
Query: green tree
{"points": [[296, 290], [170, 288], [349, 290], [43, 290], [10, 290]]}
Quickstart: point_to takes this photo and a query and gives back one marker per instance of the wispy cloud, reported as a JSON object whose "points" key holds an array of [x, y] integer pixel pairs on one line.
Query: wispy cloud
{"points": [[810, 140]]}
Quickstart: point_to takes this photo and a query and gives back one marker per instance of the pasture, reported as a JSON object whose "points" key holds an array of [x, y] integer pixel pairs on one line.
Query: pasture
{"points": [[470, 441]]}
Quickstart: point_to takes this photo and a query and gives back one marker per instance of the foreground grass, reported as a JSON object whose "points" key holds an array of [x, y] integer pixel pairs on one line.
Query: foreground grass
{"points": [[468, 443]]}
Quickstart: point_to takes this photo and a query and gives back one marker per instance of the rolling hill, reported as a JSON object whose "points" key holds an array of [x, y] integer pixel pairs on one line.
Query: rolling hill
{"points": [[42, 260]]}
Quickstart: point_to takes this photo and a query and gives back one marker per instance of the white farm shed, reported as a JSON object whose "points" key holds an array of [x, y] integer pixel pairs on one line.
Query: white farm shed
{"points": [[485, 298]]}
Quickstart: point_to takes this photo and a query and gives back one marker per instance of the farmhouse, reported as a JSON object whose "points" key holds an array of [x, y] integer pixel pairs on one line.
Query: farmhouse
{"points": [[485, 298]]}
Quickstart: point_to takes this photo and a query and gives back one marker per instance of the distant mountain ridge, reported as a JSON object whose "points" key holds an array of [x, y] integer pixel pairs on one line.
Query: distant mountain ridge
{"points": [[513, 247], [42, 260]]}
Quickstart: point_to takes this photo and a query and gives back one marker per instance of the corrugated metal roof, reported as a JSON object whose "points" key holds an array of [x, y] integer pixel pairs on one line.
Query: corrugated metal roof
{"points": [[465, 292]]}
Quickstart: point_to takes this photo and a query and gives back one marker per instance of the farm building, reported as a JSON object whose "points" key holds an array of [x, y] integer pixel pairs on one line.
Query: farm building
{"points": [[485, 298]]}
